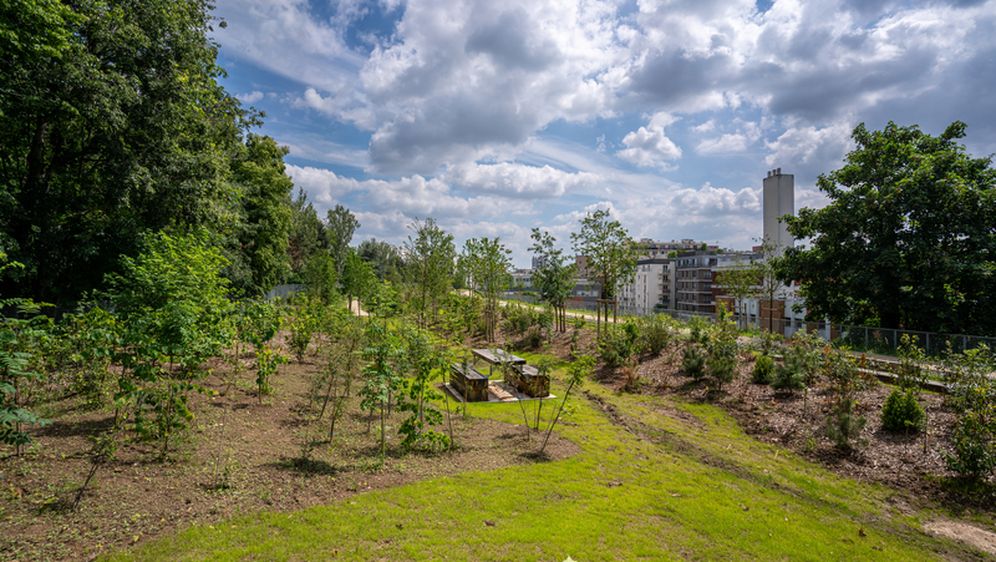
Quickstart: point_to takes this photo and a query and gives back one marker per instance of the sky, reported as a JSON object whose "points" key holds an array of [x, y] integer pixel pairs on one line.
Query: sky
{"points": [[494, 117]]}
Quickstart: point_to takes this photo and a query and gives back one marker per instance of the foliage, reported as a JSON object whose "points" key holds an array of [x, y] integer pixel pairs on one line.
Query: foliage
{"points": [[693, 360], [721, 352], [380, 375], [321, 278], [113, 124], [340, 225], [429, 257], [800, 364], [172, 304], [487, 264], [655, 333], [618, 344], [844, 424], [610, 251], [907, 238], [421, 360], [554, 278], [267, 360], [302, 324], [577, 371], [902, 412], [383, 257], [21, 345], [463, 314], [306, 237], [519, 318], [741, 281], [264, 224], [257, 321], [764, 368], [358, 278], [973, 395], [92, 339]]}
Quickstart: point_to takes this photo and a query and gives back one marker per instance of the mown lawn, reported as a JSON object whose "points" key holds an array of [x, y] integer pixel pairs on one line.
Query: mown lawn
{"points": [[655, 480]]}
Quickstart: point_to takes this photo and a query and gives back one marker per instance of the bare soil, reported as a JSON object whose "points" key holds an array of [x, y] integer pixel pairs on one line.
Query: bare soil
{"points": [[242, 456]]}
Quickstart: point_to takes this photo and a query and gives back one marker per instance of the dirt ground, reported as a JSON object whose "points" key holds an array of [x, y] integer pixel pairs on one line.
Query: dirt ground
{"points": [[242, 456]]}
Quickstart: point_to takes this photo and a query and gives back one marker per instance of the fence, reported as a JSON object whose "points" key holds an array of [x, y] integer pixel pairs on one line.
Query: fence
{"points": [[859, 338]]}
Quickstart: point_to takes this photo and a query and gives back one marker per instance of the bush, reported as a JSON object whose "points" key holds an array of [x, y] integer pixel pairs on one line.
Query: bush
{"points": [[655, 334], [802, 359], [843, 425], [693, 361], [902, 412], [618, 344], [722, 354], [764, 369], [519, 318], [974, 447]]}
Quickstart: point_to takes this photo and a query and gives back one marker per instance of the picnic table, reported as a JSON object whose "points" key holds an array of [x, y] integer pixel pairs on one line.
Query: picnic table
{"points": [[470, 383], [528, 380], [496, 357]]}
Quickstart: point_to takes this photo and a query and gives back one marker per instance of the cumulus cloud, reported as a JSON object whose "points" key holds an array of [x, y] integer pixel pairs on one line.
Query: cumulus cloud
{"points": [[649, 146], [517, 180], [250, 97]]}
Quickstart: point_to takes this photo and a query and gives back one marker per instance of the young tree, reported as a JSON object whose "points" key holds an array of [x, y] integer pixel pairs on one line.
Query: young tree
{"points": [[577, 371], [321, 278], [844, 424], [340, 226], [172, 304], [429, 261], [907, 239], [487, 264], [380, 376], [421, 360], [611, 255], [554, 278], [358, 279], [742, 281]]}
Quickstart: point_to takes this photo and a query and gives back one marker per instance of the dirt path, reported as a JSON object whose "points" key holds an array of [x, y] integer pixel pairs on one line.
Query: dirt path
{"points": [[356, 309], [969, 534]]}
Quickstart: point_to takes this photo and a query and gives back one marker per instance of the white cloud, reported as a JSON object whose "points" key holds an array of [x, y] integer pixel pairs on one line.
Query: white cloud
{"points": [[517, 180], [250, 97], [649, 146]]}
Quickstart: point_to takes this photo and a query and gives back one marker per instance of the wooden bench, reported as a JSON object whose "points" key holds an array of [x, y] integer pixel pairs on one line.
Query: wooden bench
{"points": [[469, 383], [528, 380]]}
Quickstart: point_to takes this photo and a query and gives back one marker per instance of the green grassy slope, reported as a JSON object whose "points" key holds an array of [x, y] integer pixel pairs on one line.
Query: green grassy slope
{"points": [[655, 480]]}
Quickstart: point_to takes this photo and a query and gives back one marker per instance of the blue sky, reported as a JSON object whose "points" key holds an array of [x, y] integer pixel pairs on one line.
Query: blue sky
{"points": [[496, 117]]}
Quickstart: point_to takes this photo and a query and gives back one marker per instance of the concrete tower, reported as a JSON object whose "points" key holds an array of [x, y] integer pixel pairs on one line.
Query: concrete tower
{"points": [[779, 200]]}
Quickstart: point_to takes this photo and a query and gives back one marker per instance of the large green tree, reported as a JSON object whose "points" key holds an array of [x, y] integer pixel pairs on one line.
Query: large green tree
{"points": [[908, 239], [265, 222], [384, 257], [112, 124], [340, 225], [307, 234]]}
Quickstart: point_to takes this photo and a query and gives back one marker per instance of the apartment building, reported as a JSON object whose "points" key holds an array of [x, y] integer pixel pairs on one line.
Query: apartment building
{"points": [[652, 288]]}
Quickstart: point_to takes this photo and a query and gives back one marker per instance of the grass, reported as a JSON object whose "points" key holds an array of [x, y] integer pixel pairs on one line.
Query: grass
{"points": [[656, 479]]}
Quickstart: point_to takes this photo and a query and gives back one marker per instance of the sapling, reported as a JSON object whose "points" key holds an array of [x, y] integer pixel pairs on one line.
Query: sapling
{"points": [[577, 371]]}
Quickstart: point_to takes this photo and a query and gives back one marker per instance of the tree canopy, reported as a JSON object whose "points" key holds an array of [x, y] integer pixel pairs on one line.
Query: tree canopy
{"points": [[908, 239], [113, 125]]}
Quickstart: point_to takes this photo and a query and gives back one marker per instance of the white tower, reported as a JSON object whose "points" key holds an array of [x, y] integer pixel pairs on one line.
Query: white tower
{"points": [[779, 200]]}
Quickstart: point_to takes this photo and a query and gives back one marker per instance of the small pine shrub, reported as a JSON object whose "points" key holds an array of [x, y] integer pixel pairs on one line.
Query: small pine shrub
{"points": [[802, 359], [764, 369], [721, 358], [693, 361], [655, 334], [902, 412], [618, 345]]}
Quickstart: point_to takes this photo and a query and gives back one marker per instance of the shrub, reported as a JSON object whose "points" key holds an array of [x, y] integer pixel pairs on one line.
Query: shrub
{"points": [[973, 395], [902, 412], [618, 344], [802, 359], [693, 361], [974, 440], [656, 332], [519, 318], [721, 360], [843, 425], [764, 369]]}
